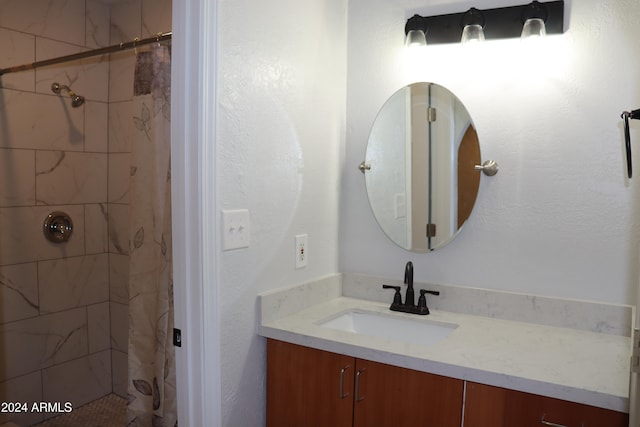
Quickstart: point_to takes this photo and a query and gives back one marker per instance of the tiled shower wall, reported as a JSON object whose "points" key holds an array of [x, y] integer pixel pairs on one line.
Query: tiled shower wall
{"points": [[54, 337], [63, 307]]}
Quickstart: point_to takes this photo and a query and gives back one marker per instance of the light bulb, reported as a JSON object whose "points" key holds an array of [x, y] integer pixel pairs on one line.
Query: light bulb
{"points": [[472, 34], [533, 28], [415, 38]]}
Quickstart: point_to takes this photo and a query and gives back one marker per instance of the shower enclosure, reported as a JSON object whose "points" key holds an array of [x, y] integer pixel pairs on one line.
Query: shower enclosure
{"points": [[66, 137]]}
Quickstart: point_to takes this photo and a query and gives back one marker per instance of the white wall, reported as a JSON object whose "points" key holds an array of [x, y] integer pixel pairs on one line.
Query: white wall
{"points": [[280, 147], [560, 218]]}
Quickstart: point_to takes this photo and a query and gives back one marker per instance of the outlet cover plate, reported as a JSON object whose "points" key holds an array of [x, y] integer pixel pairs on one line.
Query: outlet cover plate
{"points": [[301, 251]]}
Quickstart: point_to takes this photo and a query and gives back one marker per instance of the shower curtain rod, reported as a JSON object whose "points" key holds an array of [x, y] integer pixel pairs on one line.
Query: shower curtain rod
{"points": [[95, 52]]}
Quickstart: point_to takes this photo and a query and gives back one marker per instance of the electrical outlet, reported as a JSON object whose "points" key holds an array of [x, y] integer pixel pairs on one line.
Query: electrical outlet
{"points": [[301, 251]]}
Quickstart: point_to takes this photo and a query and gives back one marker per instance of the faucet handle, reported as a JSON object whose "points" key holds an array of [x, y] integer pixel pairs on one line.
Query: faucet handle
{"points": [[422, 300], [397, 297], [424, 291]]}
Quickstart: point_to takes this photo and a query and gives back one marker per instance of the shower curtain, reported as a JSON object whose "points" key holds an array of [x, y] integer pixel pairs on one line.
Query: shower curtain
{"points": [[151, 384]]}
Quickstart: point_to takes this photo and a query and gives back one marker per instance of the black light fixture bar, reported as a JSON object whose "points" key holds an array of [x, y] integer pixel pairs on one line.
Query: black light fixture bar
{"points": [[499, 23]]}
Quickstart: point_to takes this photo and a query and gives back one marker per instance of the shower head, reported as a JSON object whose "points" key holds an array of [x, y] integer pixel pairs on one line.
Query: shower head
{"points": [[76, 100]]}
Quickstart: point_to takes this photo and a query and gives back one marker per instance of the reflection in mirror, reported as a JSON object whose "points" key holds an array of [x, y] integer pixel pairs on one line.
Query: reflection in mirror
{"points": [[422, 151]]}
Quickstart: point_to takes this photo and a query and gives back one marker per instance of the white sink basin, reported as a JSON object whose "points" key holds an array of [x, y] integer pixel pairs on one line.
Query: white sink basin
{"points": [[419, 331]]}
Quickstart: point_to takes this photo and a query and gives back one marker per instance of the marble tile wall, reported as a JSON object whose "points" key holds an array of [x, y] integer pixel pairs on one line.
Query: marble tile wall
{"points": [[55, 318]]}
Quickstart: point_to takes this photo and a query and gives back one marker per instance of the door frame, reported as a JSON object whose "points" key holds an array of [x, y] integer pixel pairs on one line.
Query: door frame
{"points": [[194, 218]]}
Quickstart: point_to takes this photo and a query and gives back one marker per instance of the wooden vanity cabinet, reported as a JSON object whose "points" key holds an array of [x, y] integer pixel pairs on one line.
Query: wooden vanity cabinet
{"points": [[391, 396], [487, 406], [309, 387], [303, 386]]}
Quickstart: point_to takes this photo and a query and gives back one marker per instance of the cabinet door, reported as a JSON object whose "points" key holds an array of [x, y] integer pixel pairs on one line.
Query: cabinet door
{"points": [[487, 406], [391, 396], [304, 386]]}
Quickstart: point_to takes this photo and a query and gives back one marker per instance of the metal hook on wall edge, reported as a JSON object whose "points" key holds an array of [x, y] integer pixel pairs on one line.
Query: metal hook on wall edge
{"points": [[626, 115]]}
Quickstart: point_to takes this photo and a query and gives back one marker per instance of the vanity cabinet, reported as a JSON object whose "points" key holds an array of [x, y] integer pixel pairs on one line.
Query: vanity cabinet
{"points": [[487, 406], [309, 387], [387, 395], [303, 385]]}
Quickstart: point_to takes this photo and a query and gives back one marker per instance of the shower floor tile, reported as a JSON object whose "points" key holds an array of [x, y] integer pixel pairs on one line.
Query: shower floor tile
{"points": [[109, 411]]}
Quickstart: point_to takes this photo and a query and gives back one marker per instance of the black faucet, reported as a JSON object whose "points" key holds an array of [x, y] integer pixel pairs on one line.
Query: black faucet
{"points": [[409, 304], [408, 280]]}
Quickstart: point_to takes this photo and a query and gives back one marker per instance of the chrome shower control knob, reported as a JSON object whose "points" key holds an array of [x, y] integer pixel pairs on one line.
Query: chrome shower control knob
{"points": [[57, 227]]}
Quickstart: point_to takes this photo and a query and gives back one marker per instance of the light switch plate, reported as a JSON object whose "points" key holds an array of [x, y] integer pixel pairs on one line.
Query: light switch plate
{"points": [[235, 229]]}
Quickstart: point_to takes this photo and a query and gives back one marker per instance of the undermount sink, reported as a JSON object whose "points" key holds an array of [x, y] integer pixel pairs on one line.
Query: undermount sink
{"points": [[390, 327]]}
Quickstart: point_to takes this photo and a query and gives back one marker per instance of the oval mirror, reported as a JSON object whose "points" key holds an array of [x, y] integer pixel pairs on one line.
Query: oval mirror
{"points": [[419, 167]]}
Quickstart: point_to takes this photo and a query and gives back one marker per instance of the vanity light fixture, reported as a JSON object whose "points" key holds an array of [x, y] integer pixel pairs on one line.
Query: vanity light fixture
{"points": [[472, 27], [533, 27], [533, 19], [415, 32]]}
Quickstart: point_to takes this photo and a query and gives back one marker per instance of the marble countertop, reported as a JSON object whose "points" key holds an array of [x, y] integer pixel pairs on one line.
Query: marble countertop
{"points": [[576, 365]]}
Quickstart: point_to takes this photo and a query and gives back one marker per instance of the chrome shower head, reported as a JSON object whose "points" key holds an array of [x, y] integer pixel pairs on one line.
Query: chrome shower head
{"points": [[76, 100]]}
